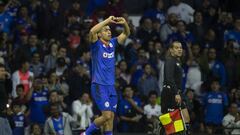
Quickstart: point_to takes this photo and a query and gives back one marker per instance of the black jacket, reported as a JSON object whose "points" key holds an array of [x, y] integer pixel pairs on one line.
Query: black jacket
{"points": [[173, 74]]}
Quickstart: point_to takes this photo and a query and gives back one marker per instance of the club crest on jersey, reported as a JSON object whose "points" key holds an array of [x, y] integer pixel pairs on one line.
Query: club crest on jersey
{"points": [[106, 104], [108, 55], [110, 45]]}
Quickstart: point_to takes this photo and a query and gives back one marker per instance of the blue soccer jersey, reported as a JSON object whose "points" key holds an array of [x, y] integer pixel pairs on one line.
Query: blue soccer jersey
{"points": [[19, 124], [214, 103], [58, 125], [38, 102], [103, 62]]}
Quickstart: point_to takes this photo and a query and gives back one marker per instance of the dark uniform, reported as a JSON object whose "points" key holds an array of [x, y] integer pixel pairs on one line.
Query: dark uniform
{"points": [[172, 84]]}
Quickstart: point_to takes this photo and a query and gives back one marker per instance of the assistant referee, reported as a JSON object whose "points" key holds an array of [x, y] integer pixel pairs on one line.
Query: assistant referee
{"points": [[171, 95]]}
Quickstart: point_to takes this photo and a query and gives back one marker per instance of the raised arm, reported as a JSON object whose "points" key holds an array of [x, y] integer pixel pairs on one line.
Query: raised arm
{"points": [[126, 32], [95, 29]]}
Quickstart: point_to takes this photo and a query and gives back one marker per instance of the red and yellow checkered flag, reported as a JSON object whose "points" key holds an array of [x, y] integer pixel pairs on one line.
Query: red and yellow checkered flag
{"points": [[172, 122]]}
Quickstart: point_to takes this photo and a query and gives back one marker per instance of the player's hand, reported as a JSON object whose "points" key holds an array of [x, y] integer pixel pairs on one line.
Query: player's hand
{"points": [[178, 99], [119, 20], [111, 19]]}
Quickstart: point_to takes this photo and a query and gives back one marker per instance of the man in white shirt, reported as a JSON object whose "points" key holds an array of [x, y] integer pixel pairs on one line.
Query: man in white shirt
{"points": [[232, 120], [82, 111], [183, 11], [152, 111]]}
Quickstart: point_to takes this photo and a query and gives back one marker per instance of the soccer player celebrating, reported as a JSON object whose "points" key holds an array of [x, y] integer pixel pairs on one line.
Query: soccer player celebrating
{"points": [[103, 68]]}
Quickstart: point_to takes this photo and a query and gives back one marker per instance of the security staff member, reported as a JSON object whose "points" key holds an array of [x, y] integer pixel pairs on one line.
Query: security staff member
{"points": [[171, 94]]}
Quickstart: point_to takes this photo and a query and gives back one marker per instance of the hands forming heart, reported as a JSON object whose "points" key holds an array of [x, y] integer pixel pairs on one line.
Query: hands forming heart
{"points": [[117, 20]]}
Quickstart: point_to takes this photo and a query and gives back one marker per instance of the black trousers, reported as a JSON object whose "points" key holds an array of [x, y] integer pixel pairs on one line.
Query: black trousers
{"points": [[168, 100]]}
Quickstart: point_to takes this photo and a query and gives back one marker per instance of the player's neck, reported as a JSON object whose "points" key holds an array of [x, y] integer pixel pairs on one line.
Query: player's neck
{"points": [[104, 42]]}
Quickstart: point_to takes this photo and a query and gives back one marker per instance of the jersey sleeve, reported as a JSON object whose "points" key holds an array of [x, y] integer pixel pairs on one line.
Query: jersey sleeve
{"points": [[94, 45]]}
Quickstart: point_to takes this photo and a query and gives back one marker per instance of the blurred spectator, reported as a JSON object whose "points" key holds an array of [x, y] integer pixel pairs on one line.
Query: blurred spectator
{"points": [[233, 34], [115, 7], [169, 27], [38, 99], [22, 76], [194, 72], [215, 68], [21, 98], [94, 4], [36, 66], [4, 75], [74, 40], [211, 15], [53, 82], [225, 23], [160, 53], [232, 120], [152, 110], [198, 28], [211, 41], [98, 16], [137, 67], [53, 25], [231, 56], [195, 110], [62, 53], [214, 103], [6, 50], [6, 19], [82, 111], [51, 58], [85, 61], [20, 42], [130, 112], [36, 129], [27, 50], [59, 122], [120, 83], [124, 71], [146, 32], [182, 10], [181, 35], [23, 21], [75, 12], [61, 66], [156, 12], [131, 54], [19, 119], [148, 81], [53, 97], [79, 82]]}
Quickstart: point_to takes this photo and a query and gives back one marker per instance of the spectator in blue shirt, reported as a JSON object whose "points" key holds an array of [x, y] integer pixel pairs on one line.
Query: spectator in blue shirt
{"points": [[182, 35], [233, 34], [130, 111], [214, 103], [157, 12], [6, 20], [18, 119], [38, 97]]}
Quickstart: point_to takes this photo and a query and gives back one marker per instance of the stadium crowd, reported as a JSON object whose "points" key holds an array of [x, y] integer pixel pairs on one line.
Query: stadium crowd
{"points": [[44, 47]]}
